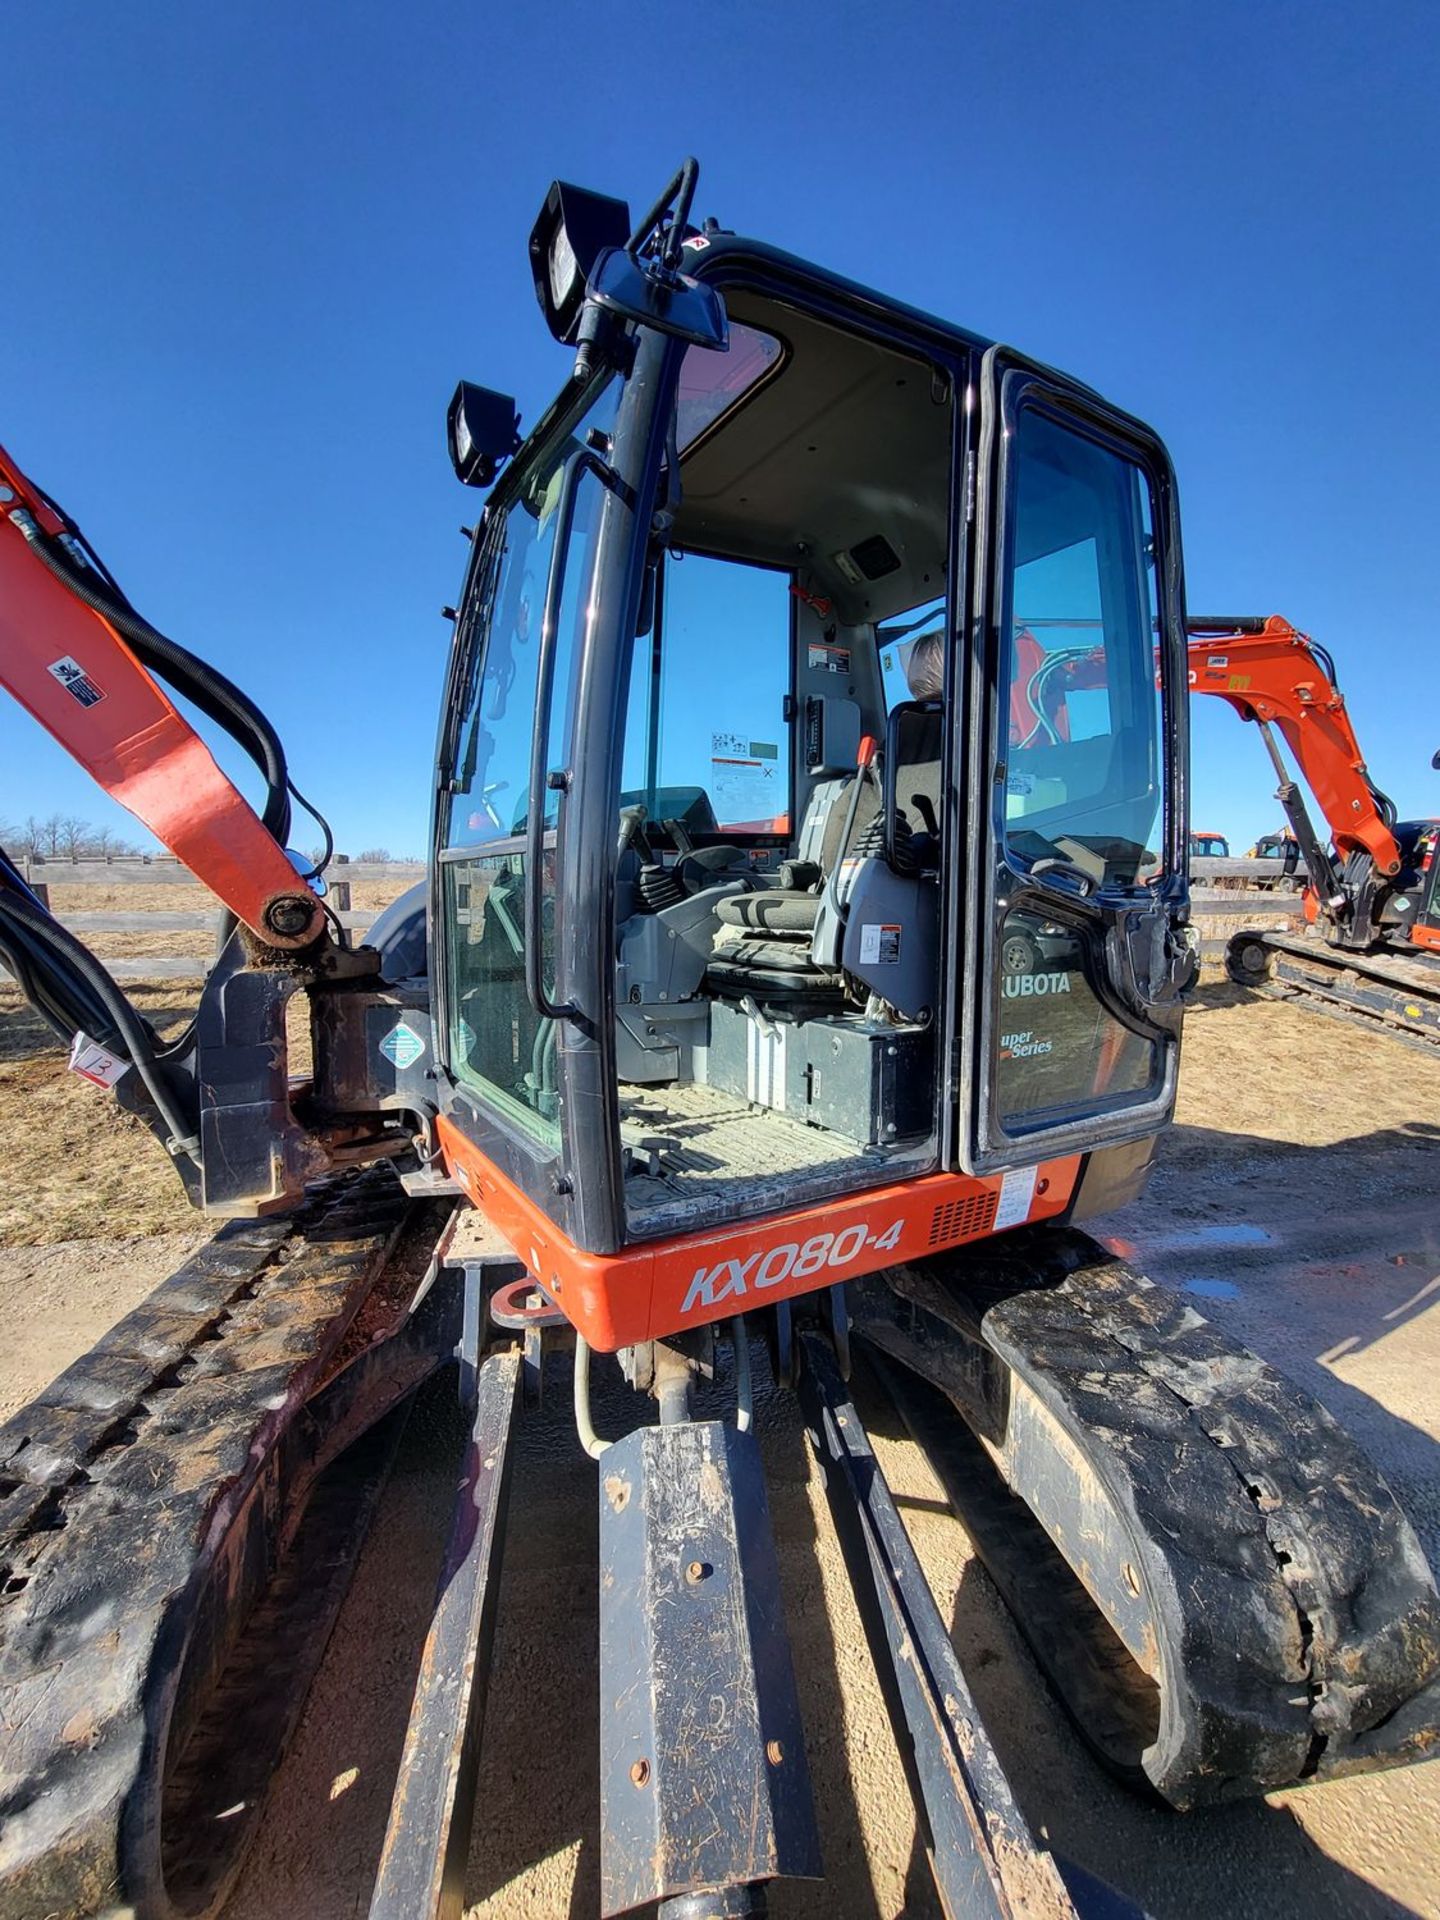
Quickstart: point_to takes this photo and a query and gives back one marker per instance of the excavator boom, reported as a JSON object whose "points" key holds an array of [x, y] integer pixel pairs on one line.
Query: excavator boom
{"points": [[1270, 672], [1374, 894], [63, 658]]}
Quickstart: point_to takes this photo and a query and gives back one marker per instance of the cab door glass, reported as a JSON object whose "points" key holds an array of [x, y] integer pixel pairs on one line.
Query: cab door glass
{"points": [[1082, 772], [499, 1044], [1084, 768]]}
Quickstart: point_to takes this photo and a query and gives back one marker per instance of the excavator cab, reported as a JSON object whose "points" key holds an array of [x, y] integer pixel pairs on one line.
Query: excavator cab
{"points": [[781, 929]]}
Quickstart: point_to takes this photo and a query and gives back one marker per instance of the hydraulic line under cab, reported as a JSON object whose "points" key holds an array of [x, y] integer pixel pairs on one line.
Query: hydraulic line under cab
{"points": [[802, 957]]}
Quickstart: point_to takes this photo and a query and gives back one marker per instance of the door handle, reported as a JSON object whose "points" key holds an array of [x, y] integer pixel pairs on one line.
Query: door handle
{"points": [[1085, 882]]}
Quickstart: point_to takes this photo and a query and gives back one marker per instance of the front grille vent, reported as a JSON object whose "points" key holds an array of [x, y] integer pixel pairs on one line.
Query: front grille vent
{"points": [[966, 1219]]}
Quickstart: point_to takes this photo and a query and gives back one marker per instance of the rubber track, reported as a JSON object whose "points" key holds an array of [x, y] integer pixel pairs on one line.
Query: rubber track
{"points": [[119, 1487], [1297, 1622], [1381, 993]]}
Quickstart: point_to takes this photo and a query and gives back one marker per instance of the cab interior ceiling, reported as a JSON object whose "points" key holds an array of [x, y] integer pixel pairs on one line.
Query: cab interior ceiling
{"points": [[845, 440]]}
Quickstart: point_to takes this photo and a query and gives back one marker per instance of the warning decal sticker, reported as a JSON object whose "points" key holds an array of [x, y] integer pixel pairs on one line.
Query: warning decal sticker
{"points": [[879, 943], [825, 659], [76, 682], [747, 785], [402, 1045]]}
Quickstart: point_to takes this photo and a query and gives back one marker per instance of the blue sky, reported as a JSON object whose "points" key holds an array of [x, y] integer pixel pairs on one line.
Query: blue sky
{"points": [[248, 251]]}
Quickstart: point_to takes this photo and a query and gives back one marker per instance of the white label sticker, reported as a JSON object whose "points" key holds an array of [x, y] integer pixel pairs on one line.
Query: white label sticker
{"points": [[746, 790], [76, 682], [765, 1064], [96, 1063], [827, 659], [879, 943], [1017, 1190]]}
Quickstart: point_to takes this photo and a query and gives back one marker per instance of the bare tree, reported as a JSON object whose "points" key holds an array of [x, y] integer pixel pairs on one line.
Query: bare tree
{"points": [[380, 856], [63, 836]]}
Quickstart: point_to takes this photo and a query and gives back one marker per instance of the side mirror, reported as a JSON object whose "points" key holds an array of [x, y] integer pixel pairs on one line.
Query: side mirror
{"points": [[671, 302], [1292, 858], [483, 430]]}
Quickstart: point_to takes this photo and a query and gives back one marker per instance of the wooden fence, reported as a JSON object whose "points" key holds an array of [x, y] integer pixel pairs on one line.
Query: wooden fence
{"points": [[163, 870], [1219, 893]]}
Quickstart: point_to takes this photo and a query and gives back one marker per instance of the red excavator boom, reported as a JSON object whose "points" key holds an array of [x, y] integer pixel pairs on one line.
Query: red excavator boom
{"points": [[64, 660], [1272, 673]]}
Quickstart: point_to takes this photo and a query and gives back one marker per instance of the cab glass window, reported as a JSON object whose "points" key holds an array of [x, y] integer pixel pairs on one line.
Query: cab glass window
{"points": [[897, 640], [707, 741], [713, 384], [1082, 753], [499, 1044]]}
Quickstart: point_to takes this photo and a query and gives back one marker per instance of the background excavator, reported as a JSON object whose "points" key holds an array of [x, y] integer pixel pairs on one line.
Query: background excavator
{"points": [[792, 979], [1373, 898]]}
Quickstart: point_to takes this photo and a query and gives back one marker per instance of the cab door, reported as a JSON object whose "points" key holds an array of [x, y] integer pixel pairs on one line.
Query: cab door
{"points": [[1075, 948]]}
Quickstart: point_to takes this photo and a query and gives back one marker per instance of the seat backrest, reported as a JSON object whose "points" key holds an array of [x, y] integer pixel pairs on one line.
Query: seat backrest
{"points": [[822, 831], [919, 777]]}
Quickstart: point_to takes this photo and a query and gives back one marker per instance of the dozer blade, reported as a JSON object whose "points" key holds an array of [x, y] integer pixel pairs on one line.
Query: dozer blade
{"points": [[1218, 1582], [704, 1784], [1388, 992], [179, 1515]]}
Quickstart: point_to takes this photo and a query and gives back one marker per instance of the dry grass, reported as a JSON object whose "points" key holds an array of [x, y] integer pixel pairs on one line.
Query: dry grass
{"points": [[366, 896], [190, 944], [76, 1166]]}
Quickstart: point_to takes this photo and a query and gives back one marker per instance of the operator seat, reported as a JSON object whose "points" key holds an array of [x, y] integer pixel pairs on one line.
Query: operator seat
{"points": [[772, 956], [764, 946]]}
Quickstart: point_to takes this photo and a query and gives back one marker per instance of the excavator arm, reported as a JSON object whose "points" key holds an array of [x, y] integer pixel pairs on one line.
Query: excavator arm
{"points": [[88, 666], [1273, 674], [1283, 681], [1374, 896], [68, 641]]}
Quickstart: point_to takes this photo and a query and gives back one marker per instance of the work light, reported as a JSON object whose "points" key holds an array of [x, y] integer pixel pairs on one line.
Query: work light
{"points": [[482, 429], [574, 226]]}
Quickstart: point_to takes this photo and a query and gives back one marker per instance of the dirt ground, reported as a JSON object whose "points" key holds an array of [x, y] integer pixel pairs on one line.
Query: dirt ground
{"points": [[1296, 1202], [76, 1167]]}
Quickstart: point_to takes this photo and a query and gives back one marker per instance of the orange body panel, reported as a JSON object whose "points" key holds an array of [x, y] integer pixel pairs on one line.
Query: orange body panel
{"points": [[659, 1287], [67, 665]]}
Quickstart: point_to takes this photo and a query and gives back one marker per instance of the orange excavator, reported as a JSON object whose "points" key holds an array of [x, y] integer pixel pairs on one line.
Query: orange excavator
{"points": [[1372, 904]]}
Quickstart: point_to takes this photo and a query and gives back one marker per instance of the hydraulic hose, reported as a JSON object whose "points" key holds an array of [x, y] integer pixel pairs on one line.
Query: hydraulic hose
{"points": [[18, 961], [218, 698], [132, 1033], [58, 994]]}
